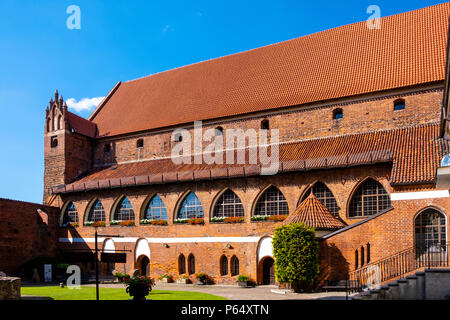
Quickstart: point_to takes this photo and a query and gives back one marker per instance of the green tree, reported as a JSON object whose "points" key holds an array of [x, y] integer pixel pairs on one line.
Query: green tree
{"points": [[296, 253]]}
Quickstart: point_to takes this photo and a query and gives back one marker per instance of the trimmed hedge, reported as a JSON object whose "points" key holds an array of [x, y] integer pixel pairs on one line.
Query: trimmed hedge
{"points": [[296, 253]]}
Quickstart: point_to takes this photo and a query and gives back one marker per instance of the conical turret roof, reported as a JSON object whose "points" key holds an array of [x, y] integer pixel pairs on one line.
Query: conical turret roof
{"points": [[314, 214]]}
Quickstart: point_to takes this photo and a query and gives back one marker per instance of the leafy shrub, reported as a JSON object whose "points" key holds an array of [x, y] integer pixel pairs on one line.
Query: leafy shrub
{"points": [[242, 277], [165, 276], [296, 253]]}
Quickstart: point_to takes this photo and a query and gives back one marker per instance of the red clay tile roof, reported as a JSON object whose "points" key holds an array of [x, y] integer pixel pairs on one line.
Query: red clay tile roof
{"points": [[81, 125], [314, 214], [409, 49], [414, 153]]}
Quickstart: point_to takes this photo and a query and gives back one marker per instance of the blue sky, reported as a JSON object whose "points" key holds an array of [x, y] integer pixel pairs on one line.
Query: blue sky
{"points": [[124, 40]]}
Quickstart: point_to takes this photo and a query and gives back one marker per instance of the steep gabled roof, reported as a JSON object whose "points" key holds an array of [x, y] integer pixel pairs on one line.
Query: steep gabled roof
{"points": [[81, 125], [408, 50]]}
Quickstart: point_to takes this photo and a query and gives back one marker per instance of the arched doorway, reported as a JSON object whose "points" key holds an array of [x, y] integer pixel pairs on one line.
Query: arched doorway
{"points": [[268, 271], [143, 265]]}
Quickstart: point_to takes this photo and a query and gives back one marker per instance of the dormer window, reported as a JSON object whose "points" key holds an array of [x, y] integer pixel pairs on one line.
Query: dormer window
{"points": [[140, 143], [338, 114], [399, 104]]}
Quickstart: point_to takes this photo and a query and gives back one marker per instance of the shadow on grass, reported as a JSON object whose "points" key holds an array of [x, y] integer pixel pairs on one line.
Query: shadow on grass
{"points": [[36, 298]]}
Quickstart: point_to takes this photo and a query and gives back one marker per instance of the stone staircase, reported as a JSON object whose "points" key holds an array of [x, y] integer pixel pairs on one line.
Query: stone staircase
{"points": [[430, 284]]}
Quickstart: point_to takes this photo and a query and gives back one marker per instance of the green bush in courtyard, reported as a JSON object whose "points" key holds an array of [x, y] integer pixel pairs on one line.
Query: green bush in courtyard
{"points": [[296, 253]]}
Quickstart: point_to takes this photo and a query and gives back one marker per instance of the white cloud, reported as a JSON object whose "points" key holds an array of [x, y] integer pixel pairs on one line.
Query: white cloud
{"points": [[166, 28], [84, 104]]}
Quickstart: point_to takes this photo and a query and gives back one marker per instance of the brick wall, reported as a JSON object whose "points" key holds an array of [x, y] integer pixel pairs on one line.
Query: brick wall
{"points": [[25, 234], [387, 234], [371, 113], [164, 260]]}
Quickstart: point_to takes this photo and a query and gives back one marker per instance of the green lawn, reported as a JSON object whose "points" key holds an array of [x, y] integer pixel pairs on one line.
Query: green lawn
{"points": [[88, 293]]}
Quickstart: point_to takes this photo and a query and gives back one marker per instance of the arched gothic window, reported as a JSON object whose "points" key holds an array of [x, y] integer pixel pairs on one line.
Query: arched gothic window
{"points": [[369, 198], [228, 205], [70, 214], [181, 264], [191, 264], [124, 210], [324, 195], [191, 207], [430, 233], [234, 266], [97, 212], [156, 210], [223, 265], [271, 202]]}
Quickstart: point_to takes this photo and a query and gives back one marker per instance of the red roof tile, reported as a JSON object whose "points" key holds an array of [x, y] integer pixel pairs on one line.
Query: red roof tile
{"points": [[81, 125], [414, 152], [409, 49], [314, 214]]}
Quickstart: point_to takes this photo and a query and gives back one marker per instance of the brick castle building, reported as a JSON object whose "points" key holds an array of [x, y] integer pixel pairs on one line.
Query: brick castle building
{"points": [[361, 117]]}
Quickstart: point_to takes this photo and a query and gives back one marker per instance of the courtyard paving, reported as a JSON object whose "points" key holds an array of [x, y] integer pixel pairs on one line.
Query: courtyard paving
{"points": [[234, 292]]}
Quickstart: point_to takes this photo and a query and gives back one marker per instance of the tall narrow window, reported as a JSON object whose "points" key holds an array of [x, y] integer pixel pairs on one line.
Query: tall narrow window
{"points": [[362, 256], [124, 210], [97, 212], [228, 205], [191, 264], [70, 214], [181, 264], [156, 210], [234, 266], [271, 202], [223, 265], [369, 198], [59, 122], [368, 252], [191, 207], [356, 259], [324, 195]]}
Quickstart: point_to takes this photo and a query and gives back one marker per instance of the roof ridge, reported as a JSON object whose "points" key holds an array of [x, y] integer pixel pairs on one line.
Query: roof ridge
{"points": [[276, 43]]}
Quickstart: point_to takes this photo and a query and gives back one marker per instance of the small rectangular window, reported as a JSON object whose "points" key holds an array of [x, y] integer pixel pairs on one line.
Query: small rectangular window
{"points": [[53, 142]]}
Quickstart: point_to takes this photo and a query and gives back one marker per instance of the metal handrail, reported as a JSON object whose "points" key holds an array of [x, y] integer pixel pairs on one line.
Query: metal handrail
{"points": [[397, 265]]}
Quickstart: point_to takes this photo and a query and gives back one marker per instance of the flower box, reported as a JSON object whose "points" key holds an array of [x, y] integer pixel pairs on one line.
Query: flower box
{"points": [[273, 218], [183, 280], [95, 224], [125, 223], [196, 221], [155, 222], [166, 278]]}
